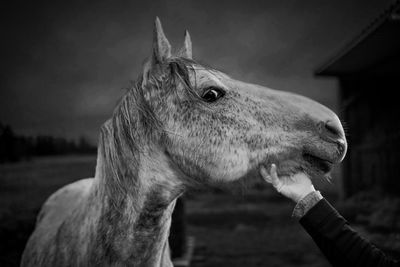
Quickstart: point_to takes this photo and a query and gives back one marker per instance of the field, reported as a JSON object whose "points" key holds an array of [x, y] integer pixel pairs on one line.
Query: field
{"points": [[23, 189], [242, 229], [250, 230]]}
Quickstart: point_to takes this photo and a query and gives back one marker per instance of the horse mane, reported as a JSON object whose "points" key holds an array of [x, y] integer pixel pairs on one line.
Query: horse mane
{"points": [[133, 125]]}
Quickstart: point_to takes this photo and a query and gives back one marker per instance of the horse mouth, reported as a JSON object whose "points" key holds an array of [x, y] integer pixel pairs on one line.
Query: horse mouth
{"points": [[319, 163]]}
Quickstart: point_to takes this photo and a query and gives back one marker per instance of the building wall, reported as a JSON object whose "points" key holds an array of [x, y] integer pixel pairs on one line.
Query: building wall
{"points": [[371, 112]]}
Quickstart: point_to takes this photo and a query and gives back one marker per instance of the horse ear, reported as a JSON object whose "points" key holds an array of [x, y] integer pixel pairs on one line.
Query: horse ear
{"points": [[161, 51], [161, 46], [187, 46]]}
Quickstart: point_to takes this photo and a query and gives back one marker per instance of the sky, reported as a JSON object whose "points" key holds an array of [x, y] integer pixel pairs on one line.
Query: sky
{"points": [[64, 65]]}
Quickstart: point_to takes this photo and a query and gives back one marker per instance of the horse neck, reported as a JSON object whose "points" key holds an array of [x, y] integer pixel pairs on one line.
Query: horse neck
{"points": [[137, 203]]}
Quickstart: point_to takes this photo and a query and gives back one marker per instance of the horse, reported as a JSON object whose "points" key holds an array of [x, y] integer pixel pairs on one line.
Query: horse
{"points": [[182, 124]]}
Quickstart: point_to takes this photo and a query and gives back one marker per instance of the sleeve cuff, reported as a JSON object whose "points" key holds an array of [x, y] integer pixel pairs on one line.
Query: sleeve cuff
{"points": [[306, 203]]}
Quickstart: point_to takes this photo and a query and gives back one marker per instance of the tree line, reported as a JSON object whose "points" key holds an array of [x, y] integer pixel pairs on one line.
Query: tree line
{"points": [[15, 147]]}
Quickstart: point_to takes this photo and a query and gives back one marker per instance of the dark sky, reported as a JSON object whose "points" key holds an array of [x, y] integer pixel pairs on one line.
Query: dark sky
{"points": [[65, 65]]}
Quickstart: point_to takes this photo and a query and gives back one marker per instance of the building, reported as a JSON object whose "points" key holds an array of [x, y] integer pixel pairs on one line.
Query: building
{"points": [[368, 70]]}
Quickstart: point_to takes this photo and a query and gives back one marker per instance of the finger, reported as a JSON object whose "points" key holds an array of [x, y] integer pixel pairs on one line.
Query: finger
{"points": [[276, 182], [265, 175], [279, 187], [274, 175]]}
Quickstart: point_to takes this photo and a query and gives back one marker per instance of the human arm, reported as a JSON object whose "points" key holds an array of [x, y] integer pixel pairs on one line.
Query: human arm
{"points": [[341, 245]]}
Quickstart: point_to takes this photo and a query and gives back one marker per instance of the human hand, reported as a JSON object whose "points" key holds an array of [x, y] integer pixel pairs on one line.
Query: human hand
{"points": [[294, 187]]}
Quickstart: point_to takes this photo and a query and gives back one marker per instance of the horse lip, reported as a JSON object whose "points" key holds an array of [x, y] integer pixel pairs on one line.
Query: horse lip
{"points": [[341, 147], [333, 154]]}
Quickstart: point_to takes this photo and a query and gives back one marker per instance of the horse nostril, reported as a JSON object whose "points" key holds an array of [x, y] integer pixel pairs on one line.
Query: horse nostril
{"points": [[334, 129]]}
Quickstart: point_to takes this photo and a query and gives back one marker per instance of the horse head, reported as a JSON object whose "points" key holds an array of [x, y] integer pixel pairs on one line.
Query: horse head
{"points": [[215, 128]]}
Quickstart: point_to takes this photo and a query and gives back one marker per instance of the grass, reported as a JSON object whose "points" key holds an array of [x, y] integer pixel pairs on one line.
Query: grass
{"points": [[252, 229], [23, 189]]}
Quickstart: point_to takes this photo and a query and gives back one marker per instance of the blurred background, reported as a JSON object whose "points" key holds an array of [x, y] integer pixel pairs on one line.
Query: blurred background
{"points": [[64, 65]]}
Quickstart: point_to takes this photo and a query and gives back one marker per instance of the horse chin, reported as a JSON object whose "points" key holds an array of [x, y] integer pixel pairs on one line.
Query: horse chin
{"points": [[313, 166], [320, 164], [320, 158]]}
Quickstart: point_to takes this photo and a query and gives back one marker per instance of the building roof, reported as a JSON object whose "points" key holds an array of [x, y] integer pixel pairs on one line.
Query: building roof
{"points": [[375, 50]]}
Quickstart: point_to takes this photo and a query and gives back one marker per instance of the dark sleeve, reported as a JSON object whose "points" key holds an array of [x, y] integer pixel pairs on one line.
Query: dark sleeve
{"points": [[340, 244]]}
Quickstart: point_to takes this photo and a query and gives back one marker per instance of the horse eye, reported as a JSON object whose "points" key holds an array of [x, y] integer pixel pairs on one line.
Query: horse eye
{"points": [[212, 94]]}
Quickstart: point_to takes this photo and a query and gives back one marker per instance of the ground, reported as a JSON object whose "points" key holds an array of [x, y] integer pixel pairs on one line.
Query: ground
{"points": [[253, 228], [250, 230]]}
